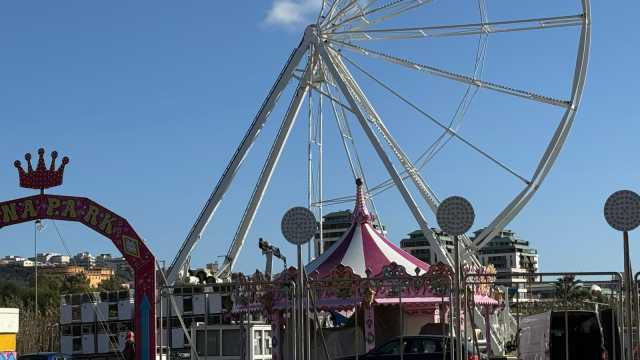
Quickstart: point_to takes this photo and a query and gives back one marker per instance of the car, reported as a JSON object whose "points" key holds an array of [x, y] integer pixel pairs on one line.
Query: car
{"points": [[45, 356], [416, 347]]}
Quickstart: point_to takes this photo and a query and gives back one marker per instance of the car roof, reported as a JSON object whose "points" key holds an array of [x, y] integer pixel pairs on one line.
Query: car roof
{"points": [[421, 337], [43, 353], [46, 353]]}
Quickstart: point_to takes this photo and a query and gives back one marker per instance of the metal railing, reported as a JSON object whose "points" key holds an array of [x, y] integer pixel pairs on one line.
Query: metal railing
{"points": [[533, 293]]}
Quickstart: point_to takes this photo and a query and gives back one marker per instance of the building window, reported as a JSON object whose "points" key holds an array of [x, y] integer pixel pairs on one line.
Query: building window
{"points": [[267, 342], [231, 342], [213, 319], [75, 313], [212, 345], [113, 311], [77, 344], [258, 347], [66, 330], [187, 304], [88, 329]]}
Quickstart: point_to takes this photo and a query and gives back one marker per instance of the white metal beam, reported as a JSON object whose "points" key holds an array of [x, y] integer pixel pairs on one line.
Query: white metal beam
{"points": [[330, 63], [425, 191], [557, 141], [177, 265], [459, 29], [265, 176]]}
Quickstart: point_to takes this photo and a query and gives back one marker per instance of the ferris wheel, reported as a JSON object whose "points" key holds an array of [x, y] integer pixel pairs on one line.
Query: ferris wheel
{"points": [[341, 59]]}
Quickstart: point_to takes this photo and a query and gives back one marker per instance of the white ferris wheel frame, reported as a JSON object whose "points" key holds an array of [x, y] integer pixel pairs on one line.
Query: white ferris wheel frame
{"points": [[325, 59]]}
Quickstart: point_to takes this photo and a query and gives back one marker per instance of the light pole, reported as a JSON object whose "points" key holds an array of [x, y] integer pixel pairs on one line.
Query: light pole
{"points": [[622, 212], [298, 226], [455, 217], [37, 226]]}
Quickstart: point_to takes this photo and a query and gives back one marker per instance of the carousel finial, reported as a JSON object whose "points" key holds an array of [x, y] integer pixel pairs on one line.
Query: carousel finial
{"points": [[360, 214]]}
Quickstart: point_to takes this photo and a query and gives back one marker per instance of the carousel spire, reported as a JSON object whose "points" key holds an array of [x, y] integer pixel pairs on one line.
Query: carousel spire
{"points": [[363, 248], [361, 213]]}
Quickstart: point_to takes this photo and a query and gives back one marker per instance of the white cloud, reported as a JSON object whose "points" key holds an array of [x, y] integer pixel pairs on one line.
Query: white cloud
{"points": [[293, 12]]}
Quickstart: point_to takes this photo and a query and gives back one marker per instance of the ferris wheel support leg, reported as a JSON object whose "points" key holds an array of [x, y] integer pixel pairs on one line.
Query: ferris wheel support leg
{"points": [[393, 173], [236, 161], [267, 171]]}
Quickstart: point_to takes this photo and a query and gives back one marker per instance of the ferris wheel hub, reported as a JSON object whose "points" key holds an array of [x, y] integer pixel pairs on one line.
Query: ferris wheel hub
{"points": [[311, 31]]}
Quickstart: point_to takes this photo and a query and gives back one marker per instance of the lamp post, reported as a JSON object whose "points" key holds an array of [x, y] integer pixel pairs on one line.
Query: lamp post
{"points": [[622, 212], [455, 217], [38, 226], [298, 226]]}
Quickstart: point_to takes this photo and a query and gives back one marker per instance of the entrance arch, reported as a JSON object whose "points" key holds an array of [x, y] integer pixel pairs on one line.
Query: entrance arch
{"points": [[112, 226]]}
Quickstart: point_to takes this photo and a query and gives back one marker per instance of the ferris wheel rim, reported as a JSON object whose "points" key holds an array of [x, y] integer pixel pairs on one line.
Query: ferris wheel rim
{"points": [[554, 146]]}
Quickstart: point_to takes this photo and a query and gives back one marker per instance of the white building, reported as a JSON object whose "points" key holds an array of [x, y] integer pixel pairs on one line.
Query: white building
{"points": [[418, 245], [60, 259], [95, 323], [510, 255], [13, 259], [119, 265], [27, 263], [84, 259], [45, 257], [507, 252], [334, 225], [218, 342]]}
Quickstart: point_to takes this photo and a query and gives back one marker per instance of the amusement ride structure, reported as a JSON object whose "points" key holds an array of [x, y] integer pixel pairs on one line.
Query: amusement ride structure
{"points": [[323, 67], [348, 26]]}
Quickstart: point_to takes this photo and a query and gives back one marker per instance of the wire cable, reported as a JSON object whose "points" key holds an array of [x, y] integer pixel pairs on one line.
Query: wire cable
{"points": [[99, 313]]}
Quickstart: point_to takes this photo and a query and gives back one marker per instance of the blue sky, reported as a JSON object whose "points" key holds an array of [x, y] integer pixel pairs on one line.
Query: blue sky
{"points": [[150, 99]]}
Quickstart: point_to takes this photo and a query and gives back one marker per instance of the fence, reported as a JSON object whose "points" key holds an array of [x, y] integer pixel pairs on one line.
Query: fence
{"points": [[363, 312], [533, 296]]}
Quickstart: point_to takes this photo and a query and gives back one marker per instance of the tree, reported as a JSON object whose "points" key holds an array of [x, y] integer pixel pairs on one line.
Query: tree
{"points": [[571, 291], [113, 283], [75, 284], [37, 328]]}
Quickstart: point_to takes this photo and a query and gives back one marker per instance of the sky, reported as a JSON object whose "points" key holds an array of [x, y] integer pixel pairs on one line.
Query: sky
{"points": [[150, 99]]}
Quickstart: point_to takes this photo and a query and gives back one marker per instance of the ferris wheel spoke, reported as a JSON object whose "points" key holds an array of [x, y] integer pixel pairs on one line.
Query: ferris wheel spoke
{"points": [[332, 8], [449, 130], [465, 79], [400, 6], [459, 29], [349, 144], [318, 90], [343, 11]]}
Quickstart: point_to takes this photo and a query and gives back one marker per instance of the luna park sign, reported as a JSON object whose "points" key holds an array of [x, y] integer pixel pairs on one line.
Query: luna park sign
{"points": [[99, 219]]}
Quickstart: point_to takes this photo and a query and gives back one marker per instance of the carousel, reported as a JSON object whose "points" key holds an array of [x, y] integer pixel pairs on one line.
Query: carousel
{"points": [[361, 291]]}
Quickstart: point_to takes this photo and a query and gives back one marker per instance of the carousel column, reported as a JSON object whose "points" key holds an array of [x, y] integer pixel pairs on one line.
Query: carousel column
{"points": [[487, 327], [369, 328]]}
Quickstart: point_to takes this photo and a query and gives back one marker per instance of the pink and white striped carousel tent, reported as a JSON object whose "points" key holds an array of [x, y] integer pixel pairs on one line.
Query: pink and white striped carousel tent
{"points": [[364, 248]]}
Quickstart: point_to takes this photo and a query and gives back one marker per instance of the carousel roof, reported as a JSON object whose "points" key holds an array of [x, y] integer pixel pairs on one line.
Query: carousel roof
{"points": [[363, 248]]}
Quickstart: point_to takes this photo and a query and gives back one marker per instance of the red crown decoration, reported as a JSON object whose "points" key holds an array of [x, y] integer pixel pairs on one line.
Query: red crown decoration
{"points": [[41, 178]]}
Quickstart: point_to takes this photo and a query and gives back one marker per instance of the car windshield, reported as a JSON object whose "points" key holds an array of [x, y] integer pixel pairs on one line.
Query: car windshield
{"points": [[390, 348], [423, 346], [34, 357], [413, 346]]}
